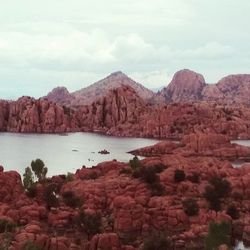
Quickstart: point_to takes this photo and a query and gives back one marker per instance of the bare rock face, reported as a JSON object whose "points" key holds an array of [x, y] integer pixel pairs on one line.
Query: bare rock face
{"points": [[60, 95], [96, 91], [235, 88], [101, 88], [211, 92], [186, 85], [119, 106], [30, 115]]}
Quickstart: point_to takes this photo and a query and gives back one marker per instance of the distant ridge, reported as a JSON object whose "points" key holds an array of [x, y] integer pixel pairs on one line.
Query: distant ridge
{"points": [[186, 86], [189, 86], [95, 91]]}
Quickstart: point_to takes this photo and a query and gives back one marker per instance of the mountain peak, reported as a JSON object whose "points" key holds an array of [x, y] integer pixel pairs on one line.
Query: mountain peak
{"points": [[186, 85]]}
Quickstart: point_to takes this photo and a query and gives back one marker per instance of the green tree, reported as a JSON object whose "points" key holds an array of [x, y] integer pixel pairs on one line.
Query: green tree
{"points": [[28, 178], [29, 245], [39, 169], [219, 234]]}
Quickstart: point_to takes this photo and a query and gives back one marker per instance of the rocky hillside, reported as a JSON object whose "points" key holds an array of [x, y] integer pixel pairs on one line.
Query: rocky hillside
{"points": [[168, 201], [122, 112], [188, 86], [40, 116], [92, 93]]}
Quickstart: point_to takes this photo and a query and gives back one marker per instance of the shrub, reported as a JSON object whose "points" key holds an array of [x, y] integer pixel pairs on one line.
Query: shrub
{"points": [[7, 226], [195, 178], [179, 175], [6, 239], [89, 223], [69, 177], [71, 199], [212, 197], [157, 242], [28, 178], [135, 163], [92, 176], [32, 191], [219, 234], [157, 189], [217, 189], [233, 212], [190, 207], [222, 186], [51, 195], [39, 169], [126, 171], [29, 245]]}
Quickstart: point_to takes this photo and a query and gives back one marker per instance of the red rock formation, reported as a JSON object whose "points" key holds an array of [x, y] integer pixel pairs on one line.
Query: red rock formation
{"points": [[128, 208], [61, 96], [185, 86], [40, 116], [188, 86]]}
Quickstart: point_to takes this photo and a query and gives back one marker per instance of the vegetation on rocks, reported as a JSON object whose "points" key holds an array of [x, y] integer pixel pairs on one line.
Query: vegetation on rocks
{"points": [[216, 190], [190, 206], [219, 234], [39, 169], [179, 175]]}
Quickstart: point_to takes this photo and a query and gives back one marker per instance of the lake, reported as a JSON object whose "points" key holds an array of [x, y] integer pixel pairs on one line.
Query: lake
{"points": [[239, 163], [64, 153]]}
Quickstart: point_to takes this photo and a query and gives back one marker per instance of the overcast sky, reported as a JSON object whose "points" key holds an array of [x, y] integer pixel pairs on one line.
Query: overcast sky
{"points": [[73, 43]]}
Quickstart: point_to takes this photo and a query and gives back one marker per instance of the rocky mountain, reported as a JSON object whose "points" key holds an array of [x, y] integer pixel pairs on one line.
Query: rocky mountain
{"points": [[188, 85], [61, 96], [39, 116], [97, 90]]}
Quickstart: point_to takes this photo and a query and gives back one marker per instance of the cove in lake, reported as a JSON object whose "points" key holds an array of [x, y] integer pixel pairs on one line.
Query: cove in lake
{"points": [[65, 153], [239, 163]]}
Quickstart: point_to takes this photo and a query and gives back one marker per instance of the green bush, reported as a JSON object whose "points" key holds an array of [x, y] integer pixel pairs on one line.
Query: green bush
{"points": [[222, 186], [215, 191], [195, 178], [39, 169], [233, 212], [71, 200], [135, 163], [7, 226], [51, 195], [219, 234], [29, 245], [28, 178], [179, 175], [89, 223], [157, 242], [127, 171], [190, 207], [69, 177]]}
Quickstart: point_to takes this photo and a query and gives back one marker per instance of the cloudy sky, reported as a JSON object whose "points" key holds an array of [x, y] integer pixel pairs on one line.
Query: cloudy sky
{"points": [[73, 43]]}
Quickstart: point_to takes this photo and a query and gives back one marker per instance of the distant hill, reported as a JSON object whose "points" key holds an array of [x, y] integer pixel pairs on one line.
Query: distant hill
{"points": [[188, 85], [95, 91]]}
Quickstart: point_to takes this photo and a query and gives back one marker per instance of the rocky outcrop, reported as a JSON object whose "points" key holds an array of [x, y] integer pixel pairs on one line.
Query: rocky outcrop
{"points": [[96, 91], [189, 86], [120, 106], [128, 209], [186, 85], [198, 144], [40, 116], [61, 96]]}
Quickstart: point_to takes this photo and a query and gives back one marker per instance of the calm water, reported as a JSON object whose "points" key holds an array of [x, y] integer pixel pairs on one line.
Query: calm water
{"points": [[242, 142], [239, 163], [63, 154]]}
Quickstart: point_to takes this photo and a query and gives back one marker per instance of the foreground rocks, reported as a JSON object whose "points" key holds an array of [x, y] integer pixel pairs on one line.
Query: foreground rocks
{"points": [[199, 144], [126, 209]]}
